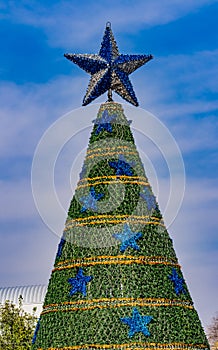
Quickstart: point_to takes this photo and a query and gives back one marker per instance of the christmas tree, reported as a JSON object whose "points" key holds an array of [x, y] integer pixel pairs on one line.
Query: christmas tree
{"points": [[116, 281]]}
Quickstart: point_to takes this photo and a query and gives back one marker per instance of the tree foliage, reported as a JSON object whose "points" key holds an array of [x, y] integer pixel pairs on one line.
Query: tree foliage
{"points": [[212, 332], [16, 326]]}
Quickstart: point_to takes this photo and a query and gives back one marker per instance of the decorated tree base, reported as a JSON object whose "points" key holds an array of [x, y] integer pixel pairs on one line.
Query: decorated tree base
{"points": [[116, 281]]}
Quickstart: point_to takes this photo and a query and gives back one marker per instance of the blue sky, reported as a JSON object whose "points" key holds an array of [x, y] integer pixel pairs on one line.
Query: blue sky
{"points": [[38, 85]]}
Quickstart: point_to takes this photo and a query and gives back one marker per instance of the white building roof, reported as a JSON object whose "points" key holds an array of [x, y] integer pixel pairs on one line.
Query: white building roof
{"points": [[30, 294]]}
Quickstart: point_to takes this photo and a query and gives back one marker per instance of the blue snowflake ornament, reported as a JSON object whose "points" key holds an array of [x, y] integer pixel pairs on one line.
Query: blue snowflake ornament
{"points": [[149, 198], [128, 238], [79, 283], [177, 281], [104, 123], [137, 323], [36, 331], [90, 201], [122, 166]]}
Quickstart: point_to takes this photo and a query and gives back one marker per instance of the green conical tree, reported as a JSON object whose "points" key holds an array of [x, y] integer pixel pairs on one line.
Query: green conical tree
{"points": [[116, 282]]}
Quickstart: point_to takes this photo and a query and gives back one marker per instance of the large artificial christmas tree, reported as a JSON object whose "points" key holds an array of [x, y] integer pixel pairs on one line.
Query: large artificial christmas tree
{"points": [[116, 282]]}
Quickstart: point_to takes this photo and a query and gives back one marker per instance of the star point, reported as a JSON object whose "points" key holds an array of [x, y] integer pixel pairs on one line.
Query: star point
{"points": [[109, 69]]}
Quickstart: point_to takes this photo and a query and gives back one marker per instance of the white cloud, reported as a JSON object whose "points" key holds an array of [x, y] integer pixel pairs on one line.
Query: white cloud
{"points": [[184, 104], [65, 22], [27, 111], [189, 79], [198, 135], [16, 200], [28, 252]]}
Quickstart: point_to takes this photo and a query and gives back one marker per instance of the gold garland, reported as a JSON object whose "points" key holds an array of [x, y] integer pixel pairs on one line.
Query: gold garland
{"points": [[113, 216], [115, 260], [111, 154], [110, 148], [105, 303], [115, 222], [114, 182], [122, 218], [135, 346], [102, 257], [113, 177]]}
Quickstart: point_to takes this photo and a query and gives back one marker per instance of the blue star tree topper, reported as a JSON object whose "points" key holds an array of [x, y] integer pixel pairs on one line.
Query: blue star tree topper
{"points": [[177, 281], [109, 70], [137, 323], [128, 238], [79, 283]]}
